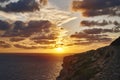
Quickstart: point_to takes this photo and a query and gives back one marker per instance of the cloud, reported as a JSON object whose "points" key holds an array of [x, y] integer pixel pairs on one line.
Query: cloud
{"points": [[97, 23], [16, 39], [22, 29], [97, 7], [96, 4], [48, 12], [93, 31], [43, 2], [45, 38], [87, 39], [4, 25], [21, 6], [94, 23], [45, 13], [94, 35], [25, 47], [85, 35], [32, 46], [19, 25], [100, 30], [43, 41], [50, 39], [82, 43], [33, 34], [108, 11], [79, 35], [42, 27], [3, 0], [4, 45]]}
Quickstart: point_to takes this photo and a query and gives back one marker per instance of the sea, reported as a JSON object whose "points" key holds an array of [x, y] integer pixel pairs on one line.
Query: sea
{"points": [[29, 66]]}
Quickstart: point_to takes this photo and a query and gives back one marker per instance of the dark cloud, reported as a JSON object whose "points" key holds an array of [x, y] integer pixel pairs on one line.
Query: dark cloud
{"points": [[96, 4], [22, 29], [87, 23], [42, 41], [32, 47], [79, 35], [48, 39], [93, 31], [21, 6], [90, 8], [100, 30], [38, 26], [98, 38], [45, 39], [4, 45], [116, 23], [25, 47], [19, 25], [4, 0], [86, 35], [82, 43], [4, 25], [43, 2], [94, 23], [40, 33], [86, 39], [97, 7], [106, 11], [33, 27], [95, 35], [16, 39]]}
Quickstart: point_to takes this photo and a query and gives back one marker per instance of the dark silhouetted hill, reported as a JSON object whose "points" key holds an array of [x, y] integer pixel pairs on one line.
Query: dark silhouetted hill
{"points": [[100, 64], [116, 42]]}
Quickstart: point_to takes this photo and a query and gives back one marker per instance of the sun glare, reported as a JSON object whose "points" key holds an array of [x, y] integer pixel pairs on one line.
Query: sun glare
{"points": [[59, 50]]}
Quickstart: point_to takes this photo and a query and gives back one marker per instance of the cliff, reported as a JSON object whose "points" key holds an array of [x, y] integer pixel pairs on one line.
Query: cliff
{"points": [[100, 64]]}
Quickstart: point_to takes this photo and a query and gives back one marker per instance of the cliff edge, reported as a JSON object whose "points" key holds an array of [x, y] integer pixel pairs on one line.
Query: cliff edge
{"points": [[100, 64]]}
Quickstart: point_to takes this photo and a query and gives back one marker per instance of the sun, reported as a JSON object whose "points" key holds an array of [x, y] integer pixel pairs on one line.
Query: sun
{"points": [[59, 50]]}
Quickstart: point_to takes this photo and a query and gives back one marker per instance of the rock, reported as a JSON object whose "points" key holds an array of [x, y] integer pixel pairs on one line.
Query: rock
{"points": [[116, 42], [100, 64]]}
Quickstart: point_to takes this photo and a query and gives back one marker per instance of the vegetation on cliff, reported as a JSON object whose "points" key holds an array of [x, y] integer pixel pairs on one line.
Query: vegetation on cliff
{"points": [[100, 64]]}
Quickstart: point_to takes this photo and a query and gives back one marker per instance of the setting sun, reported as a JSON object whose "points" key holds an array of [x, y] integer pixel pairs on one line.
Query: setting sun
{"points": [[59, 50]]}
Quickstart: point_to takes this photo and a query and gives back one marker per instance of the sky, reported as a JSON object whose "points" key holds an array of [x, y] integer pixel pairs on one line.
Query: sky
{"points": [[57, 26]]}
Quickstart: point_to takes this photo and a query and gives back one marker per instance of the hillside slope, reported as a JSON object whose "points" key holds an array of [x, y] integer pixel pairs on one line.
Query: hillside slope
{"points": [[100, 64]]}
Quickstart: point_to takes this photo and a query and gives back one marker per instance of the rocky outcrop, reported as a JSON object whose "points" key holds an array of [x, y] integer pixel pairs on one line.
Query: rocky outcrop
{"points": [[100, 64], [116, 42]]}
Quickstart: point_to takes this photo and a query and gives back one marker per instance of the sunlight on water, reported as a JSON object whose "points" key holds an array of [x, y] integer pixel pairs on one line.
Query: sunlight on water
{"points": [[29, 68]]}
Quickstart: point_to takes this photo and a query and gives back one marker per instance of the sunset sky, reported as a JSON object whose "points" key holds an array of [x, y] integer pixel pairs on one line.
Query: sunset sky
{"points": [[57, 26]]}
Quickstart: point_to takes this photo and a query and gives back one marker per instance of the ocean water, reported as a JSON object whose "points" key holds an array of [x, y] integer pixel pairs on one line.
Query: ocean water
{"points": [[29, 67]]}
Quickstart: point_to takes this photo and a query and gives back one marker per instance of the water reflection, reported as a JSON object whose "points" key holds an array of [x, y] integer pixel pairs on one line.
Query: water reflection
{"points": [[29, 68]]}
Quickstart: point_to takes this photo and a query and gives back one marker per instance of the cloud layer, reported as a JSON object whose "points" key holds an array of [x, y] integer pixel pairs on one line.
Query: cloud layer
{"points": [[21, 5], [34, 29], [97, 7], [31, 35], [3, 0], [97, 23], [3, 44], [83, 38], [28, 25], [94, 35], [4, 25]]}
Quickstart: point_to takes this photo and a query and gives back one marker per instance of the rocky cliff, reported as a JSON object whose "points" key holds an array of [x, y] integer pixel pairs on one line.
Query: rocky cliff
{"points": [[100, 64]]}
